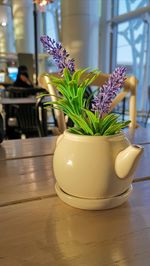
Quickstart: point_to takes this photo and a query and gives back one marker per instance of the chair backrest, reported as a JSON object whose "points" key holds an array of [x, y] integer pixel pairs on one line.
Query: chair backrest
{"points": [[59, 116], [129, 86], [24, 113]]}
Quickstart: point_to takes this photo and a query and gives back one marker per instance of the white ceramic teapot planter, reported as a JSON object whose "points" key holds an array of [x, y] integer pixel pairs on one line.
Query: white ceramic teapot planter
{"points": [[94, 172]]}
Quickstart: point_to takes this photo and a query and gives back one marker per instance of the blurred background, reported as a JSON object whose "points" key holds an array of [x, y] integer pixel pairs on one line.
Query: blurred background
{"points": [[97, 33]]}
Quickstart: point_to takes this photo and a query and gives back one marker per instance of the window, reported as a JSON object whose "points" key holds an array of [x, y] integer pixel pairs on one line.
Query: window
{"points": [[130, 25], [125, 6]]}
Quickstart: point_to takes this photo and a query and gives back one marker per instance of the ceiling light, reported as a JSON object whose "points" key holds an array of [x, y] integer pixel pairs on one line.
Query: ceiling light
{"points": [[43, 2]]}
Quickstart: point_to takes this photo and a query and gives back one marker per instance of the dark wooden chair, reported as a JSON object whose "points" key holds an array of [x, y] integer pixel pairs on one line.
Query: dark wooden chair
{"points": [[25, 116]]}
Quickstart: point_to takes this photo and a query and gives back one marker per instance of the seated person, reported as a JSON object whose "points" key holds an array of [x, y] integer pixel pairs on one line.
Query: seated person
{"points": [[23, 79]]}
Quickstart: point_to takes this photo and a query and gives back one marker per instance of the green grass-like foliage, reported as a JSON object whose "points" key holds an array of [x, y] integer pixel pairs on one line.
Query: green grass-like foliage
{"points": [[72, 102]]}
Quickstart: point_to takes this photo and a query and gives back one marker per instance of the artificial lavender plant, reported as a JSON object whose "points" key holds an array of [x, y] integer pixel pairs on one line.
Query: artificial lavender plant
{"points": [[60, 55], [71, 84], [108, 91]]}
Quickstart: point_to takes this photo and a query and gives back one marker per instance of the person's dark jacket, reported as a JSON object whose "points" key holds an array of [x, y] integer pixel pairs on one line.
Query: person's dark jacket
{"points": [[23, 80], [22, 84]]}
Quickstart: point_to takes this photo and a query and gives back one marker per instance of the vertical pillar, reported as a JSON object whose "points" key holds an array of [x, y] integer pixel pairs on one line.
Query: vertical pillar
{"points": [[7, 43], [80, 31], [40, 30], [23, 25], [51, 22], [106, 33]]}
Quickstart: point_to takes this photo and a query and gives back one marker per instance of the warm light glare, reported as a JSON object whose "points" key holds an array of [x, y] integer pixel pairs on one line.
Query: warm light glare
{"points": [[69, 162], [3, 23], [43, 2]]}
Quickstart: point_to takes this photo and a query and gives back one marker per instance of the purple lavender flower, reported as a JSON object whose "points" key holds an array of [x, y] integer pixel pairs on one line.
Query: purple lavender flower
{"points": [[60, 55], [108, 91]]}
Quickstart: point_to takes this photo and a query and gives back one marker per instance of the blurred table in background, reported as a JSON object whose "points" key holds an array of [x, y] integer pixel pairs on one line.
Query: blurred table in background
{"points": [[24, 112], [6, 101]]}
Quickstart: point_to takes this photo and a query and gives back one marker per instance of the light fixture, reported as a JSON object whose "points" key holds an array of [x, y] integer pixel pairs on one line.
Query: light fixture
{"points": [[43, 3]]}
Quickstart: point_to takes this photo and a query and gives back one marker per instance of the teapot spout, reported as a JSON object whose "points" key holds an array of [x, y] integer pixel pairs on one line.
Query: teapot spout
{"points": [[127, 160]]}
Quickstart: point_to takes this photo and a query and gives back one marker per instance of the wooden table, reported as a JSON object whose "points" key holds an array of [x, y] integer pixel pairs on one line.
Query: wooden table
{"points": [[138, 136], [45, 146], [27, 148], [28, 100], [37, 229]]}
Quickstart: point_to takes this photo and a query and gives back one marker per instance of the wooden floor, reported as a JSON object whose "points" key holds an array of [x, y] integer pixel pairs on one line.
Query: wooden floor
{"points": [[37, 229]]}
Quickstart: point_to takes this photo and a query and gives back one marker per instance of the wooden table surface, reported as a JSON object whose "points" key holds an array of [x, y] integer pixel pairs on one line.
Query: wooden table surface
{"points": [[139, 135], [32, 178], [48, 232], [45, 146], [27, 148], [26, 179], [38, 229]]}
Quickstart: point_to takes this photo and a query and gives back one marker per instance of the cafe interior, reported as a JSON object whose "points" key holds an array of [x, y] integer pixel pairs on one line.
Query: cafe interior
{"points": [[44, 47]]}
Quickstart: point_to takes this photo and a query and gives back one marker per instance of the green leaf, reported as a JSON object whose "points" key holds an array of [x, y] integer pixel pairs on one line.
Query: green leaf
{"points": [[80, 94], [81, 123], [72, 87], [61, 87], [97, 134], [89, 98], [77, 74], [107, 121], [53, 79], [90, 78], [115, 128], [67, 75], [94, 121], [42, 94], [75, 131]]}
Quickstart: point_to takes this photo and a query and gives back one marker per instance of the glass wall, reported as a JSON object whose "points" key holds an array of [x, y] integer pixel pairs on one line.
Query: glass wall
{"points": [[130, 43]]}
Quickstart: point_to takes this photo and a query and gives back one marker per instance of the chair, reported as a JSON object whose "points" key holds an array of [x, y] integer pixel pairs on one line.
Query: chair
{"points": [[129, 87], [21, 119], [59, 119]]}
